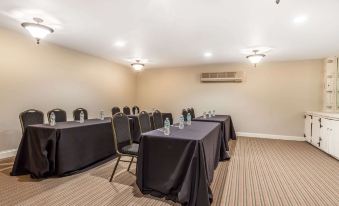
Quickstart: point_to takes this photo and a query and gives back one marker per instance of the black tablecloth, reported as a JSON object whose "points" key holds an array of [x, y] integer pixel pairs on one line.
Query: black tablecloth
{"points": [[180, 166], [135, 127], [67, 147], [226, 126]]}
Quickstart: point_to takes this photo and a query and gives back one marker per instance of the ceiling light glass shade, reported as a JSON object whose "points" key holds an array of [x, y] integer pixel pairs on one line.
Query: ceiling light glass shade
{"points": [[137, 66], [38, 31], [255, 58]]}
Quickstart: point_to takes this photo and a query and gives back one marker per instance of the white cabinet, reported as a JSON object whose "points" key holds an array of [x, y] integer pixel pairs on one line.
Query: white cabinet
{"points": [[308, 127], [333, 141], [316, 126], [325, 134], [322, 131], [331, 85]]}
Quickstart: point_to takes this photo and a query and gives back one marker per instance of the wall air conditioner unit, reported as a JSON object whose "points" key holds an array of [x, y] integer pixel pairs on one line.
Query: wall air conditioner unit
{"points": [[222, 77]]}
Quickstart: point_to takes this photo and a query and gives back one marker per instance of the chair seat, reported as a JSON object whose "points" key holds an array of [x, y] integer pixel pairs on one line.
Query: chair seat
{"points": [[130, 149]]}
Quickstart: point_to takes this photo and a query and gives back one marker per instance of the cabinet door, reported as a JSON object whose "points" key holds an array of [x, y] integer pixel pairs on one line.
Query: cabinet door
{"points": [[315, 130], [330, 84], [333, 140], [330, 66], [308, 127], [329, 100], [325, 133]]}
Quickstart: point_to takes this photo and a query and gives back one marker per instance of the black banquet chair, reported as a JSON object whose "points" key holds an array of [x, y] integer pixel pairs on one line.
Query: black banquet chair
{"points": [[191, 111], [76, 113], [60, 115], [126, 110], [144, 122], [30, 117], [184, 113], [157, 120], [115, 110], [135, 110], [123, 141]]}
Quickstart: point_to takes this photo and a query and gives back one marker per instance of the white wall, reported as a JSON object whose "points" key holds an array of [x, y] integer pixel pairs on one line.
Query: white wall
{"points": [[47, 76], [271, 100]]}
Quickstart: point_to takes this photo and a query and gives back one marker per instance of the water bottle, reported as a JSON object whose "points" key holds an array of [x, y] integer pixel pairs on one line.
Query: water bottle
{"points": [[102, 115], [52, 119], [167, 125], [181, 122], [189, 119], [204, 115], [82, 117], [209, 114], [213, 113]]}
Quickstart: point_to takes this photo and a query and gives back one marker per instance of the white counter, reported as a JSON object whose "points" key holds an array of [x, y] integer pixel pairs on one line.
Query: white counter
{"points": [[329, 115]]}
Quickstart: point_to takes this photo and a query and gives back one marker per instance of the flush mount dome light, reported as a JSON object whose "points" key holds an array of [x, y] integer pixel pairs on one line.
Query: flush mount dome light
{"points": [[255, 58], [37, 30], [137, 66]]}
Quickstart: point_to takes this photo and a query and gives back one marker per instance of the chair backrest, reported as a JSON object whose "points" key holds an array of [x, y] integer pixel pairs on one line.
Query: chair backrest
{"points": [[144, 122], [121, 131], [115, 110], [157, 120], [191, 111], [60, 115], [184, 113], [30, 117], [135, 110], [126, 110], [76, 113]]}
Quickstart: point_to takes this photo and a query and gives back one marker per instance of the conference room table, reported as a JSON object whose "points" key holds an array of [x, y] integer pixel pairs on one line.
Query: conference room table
{"points": [[228, 131], [180, 166], [68, 147], [135, 127], [64, 148]]}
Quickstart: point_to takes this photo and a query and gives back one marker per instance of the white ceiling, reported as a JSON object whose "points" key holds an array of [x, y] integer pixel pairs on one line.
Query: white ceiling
{"points": [[179, 32]]}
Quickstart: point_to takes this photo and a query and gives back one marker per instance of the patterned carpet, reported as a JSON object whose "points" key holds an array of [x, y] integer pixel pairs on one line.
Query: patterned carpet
{"points": [[90, 188], [261, 172], [277, 172]]}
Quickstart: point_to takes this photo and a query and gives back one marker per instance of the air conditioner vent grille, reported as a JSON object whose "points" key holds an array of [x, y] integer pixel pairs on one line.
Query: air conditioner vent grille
{"points": [[222, 77]]}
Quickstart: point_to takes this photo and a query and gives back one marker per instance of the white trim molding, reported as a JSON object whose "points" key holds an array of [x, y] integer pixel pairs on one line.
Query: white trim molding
{"points": [[270, 136], [8, 153]]}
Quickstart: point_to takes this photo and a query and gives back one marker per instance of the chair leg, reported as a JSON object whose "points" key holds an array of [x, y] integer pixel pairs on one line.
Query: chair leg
{"points": [[115, 168], [130, 163]]}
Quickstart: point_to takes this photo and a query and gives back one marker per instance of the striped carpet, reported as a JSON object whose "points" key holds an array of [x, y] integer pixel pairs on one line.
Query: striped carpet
{"points": [[278, 172], [90, 188], [261, 172]]}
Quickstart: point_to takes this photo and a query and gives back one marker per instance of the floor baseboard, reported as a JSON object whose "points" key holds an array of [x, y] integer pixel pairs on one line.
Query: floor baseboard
{"points": [[270, 136], [8, 153]]}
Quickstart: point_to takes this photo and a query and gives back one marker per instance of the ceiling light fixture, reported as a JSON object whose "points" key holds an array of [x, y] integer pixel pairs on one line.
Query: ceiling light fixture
{"points": [[300, 19], [255, 58], [120, 43], [137, 65], [208, 54], [37, 30]]}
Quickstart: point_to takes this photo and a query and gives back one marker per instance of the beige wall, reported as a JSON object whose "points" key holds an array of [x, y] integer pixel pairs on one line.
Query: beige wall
{"points": [[270, 101], [47, 76]]}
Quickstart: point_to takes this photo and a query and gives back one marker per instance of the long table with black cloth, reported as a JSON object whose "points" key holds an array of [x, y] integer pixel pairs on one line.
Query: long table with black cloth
{"points": [[67, 147], [64, 148], [180, 166], [226, 126]]}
